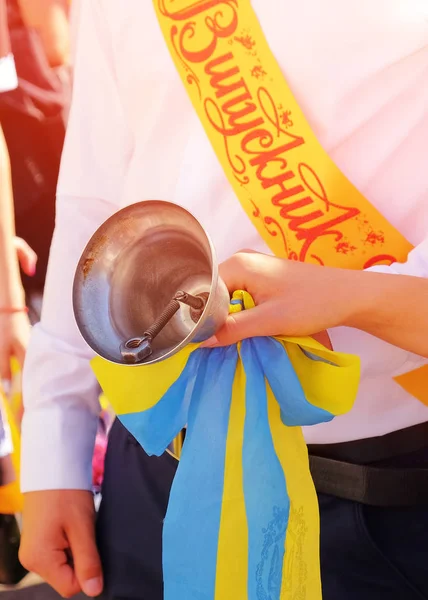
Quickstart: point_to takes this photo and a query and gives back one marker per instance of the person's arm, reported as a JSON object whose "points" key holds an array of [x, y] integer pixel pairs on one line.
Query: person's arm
{"points": [[50, 19], [14, 324], [60, 390], [11, 290], [392, 304], [301, 299]]}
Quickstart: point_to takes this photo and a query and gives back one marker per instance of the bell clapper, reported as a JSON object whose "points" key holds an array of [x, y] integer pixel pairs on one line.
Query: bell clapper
{"points": [[138, 349], [195, 302]]}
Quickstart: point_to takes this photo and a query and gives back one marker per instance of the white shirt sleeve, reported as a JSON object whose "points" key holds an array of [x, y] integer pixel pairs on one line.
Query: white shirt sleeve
{"points": [[60, 390], [375, 354]]}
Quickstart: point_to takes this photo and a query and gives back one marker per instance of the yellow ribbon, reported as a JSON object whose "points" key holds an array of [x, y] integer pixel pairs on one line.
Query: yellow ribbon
{"points": [[11, 498]]}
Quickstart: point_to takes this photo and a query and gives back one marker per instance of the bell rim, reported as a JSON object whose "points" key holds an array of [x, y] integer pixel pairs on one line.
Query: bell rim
{"points": [[79, 276]]}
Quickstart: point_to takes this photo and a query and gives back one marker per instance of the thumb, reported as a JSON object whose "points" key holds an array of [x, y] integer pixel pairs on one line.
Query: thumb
{"points": [[86, 560], [239, 326], [26, 256]]}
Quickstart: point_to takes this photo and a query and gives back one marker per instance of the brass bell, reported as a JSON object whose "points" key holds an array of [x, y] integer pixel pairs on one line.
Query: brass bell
{"points": [[147, 284]]}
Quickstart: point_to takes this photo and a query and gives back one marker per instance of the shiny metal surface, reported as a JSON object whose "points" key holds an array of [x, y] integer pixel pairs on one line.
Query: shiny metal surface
{"points": [[132, 267]]}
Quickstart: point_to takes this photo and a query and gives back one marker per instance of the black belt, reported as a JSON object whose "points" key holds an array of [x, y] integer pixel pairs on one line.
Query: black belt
{"points": [[347, 470]]}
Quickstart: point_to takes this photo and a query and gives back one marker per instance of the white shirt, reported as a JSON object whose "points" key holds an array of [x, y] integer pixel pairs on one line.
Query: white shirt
{"points": [[360, 71]]}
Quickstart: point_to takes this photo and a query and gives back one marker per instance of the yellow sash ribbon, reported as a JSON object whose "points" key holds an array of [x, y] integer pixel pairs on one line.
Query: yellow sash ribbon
{"points": [[302, 205], [11, 498]]}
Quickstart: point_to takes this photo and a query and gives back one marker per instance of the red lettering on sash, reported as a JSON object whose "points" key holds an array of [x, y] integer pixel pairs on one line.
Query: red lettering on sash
{"points": [[194, 9], [212, 23], [218, 78]]}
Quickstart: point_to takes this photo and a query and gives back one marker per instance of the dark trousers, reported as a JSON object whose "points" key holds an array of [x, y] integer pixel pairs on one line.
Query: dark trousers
{"points": [[366, 553]]}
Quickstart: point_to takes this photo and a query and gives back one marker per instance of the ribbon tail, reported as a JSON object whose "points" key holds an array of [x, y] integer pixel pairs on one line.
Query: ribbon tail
{"points": [[192, 523], [266, 496]]}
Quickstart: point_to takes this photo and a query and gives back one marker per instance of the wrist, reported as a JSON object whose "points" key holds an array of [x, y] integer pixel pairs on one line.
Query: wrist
{"points": [[12, 297], [12, 310], [366, 297], [11, 289]]}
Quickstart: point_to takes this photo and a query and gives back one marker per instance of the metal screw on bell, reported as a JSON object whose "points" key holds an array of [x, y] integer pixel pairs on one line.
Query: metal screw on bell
{"points": [[147, 284], [138, 349]]}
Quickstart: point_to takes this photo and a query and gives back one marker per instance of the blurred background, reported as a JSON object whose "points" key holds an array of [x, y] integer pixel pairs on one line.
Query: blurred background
{"points": [[32, 588], [35, 91]]}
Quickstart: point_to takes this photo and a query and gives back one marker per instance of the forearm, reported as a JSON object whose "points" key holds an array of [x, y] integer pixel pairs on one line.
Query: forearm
{"points": [[388, 306], [11, 292]]}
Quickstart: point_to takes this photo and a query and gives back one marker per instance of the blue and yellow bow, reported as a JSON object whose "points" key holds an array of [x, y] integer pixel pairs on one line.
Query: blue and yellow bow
{"points": [[242, 521]]}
